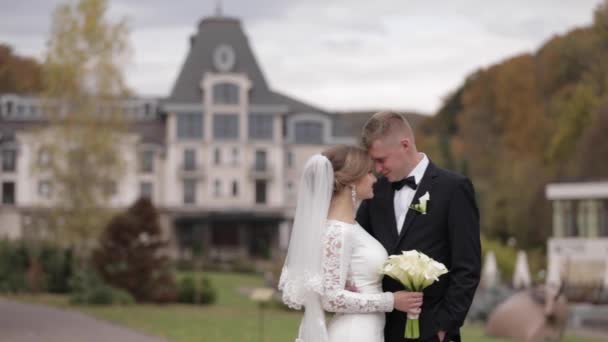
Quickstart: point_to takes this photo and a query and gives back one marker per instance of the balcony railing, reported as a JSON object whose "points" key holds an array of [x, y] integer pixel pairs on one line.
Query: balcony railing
{"points": [[261, 171], [192, 170]]}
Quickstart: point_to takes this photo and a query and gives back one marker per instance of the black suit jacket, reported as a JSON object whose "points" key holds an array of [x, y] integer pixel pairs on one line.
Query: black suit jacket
{"points": [[448, 233]]}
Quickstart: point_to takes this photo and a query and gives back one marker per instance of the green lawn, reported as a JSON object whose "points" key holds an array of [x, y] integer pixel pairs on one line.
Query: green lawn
{"points": [[234, 318]]}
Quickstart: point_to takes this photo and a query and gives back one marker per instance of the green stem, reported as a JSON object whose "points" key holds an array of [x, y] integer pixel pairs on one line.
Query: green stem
{"points": [[412, 329]]}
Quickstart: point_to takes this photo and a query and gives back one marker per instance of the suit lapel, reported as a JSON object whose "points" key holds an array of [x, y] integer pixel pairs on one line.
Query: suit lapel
{"points": [[387, 231], [425, 185]]}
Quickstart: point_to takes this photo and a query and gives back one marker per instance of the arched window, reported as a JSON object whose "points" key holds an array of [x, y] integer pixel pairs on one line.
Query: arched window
{"points": [[225, 93]]}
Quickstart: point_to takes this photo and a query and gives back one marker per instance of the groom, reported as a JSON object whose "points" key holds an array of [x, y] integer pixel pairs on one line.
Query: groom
{"points": [[448, 231]]}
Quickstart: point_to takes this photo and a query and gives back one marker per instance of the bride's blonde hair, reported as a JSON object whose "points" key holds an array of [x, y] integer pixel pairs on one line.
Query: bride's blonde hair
{"points": [[350, 163]]}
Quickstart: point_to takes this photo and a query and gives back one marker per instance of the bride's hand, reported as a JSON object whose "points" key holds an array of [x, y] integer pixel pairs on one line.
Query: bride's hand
{"points": [[414, 312], [407, 301]]}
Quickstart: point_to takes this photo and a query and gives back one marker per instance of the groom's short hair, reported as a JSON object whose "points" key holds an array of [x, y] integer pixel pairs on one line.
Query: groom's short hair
{"points": [[383, 124]]}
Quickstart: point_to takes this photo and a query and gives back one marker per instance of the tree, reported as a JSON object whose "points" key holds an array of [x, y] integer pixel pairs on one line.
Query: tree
{"points": [[131, 254], [592, 147], [527, 121], [84, 86], [19, 75]]}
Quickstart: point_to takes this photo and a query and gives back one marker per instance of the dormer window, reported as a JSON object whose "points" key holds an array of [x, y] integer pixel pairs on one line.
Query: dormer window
{"points": [[225, 93]]}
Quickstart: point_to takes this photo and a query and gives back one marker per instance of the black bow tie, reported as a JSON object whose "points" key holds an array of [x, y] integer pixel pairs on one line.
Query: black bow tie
{"points": [[409, 181]]}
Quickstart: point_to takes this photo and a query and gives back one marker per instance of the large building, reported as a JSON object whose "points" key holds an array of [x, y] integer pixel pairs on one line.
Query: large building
{"points": [[219, 156]]}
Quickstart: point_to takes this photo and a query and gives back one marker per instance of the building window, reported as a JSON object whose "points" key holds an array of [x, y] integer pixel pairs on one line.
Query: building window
{"points": [[189, 125], [217, 188], [235, 188], [8, 193], [225, 93], [604, 218], [290, 193], [44, 157], [146, 161], [189, 191], [146, 190], [570, 219], [260, 160], [45, 189], [283, 126], [309, 132], [260, 191], [148, 110], [226, 126], [235, 156], [289, 158], [9, 160], [224, 235], [9, 108], [189, 159], [260, 126], [259, 243], [217, 156]]}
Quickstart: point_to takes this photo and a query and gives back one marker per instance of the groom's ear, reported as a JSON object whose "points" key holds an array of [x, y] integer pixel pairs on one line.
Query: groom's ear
{"points": [[405, 142]]}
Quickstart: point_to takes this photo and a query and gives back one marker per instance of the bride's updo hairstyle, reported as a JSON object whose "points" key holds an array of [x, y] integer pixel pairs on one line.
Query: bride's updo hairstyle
{"points": [[350, 163]]}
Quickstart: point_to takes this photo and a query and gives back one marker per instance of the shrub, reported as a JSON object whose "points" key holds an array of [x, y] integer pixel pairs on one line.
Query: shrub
{"points": [[131, 255], [208, 294], [44, 267], [239, 265], [190, 293], [89, 288], [36, 278], [187, 289], [57, 265], [14, 264]]}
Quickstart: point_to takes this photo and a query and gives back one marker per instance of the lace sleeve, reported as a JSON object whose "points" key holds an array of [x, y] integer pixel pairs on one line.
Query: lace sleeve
{"points": [[336, 261]]}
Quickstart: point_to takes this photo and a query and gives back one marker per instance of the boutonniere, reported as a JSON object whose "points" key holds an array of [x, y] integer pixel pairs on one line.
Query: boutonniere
{"points": [[421, 206]]}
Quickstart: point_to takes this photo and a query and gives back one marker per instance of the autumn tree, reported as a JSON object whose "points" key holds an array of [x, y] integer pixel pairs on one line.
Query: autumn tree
{"points": [[532, 119], [19, 75], [79, 150]]}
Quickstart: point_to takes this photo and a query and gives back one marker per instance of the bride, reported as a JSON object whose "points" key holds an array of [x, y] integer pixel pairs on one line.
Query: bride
{"points": [[332, 263]]}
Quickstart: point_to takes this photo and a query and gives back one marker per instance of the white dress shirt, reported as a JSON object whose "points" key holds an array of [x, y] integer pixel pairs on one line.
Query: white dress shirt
{"points": [[403, 197]]}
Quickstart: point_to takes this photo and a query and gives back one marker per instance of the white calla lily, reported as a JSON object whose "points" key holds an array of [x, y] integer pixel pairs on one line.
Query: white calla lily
{"points": [[415, 271]]}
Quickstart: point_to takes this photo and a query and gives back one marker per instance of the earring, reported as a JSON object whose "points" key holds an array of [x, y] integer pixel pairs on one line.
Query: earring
{"points": [[353, 194]]}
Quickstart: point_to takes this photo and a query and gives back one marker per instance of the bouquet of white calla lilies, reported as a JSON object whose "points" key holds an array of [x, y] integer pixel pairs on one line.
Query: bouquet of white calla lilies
{"points": [[415, 271]]}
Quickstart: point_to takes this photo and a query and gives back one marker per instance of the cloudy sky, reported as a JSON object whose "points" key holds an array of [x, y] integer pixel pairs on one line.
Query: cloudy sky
{"points": [[338, 54]]}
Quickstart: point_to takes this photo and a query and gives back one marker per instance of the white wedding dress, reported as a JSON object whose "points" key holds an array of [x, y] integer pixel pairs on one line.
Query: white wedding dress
{"points": [[353, 259]]}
